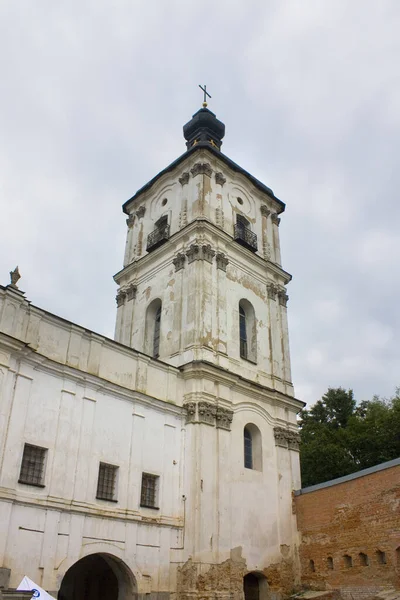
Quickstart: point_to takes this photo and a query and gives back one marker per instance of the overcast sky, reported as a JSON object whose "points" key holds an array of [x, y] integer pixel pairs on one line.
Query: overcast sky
{"points": [[94, 95]]}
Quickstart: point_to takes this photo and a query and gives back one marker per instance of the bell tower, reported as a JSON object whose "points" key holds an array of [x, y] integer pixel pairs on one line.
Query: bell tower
{"points": [[202, 277]]}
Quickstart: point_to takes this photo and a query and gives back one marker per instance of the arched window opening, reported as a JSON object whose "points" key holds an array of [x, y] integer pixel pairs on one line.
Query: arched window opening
{"points": [[348, 561], [381, 557], [243, 234], [242, 332], [329, 562], [252, 451], [247, 331], [248, 449], [156, 337], [153, 328], [311, 566], [364, 560], [398, 556]]}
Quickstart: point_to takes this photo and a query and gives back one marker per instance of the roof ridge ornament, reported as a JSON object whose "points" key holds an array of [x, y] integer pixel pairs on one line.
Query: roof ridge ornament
{"points": [[15, 276]]}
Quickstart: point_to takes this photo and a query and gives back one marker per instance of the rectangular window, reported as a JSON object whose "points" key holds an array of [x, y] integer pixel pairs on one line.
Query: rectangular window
{"points": [[106, 483], [32, 466], [149, 492]]}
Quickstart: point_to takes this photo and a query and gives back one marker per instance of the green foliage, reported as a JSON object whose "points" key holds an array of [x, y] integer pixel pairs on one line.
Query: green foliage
{"points": [[338, 437]]}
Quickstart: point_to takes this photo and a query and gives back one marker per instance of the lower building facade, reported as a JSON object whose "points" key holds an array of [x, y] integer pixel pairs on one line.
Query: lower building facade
{"points": [[124, 476]]}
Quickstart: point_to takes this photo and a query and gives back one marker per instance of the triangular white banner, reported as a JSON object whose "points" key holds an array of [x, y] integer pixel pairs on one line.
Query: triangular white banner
{"points": [[38, 593]]}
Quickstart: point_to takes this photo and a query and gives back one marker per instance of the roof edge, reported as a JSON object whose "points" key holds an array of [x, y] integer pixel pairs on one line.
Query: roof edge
{"points": [[228, 161], [319, 486]]}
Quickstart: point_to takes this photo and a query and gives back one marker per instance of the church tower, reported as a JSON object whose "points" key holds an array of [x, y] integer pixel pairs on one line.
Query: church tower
{"points": [[202, 277], [203, 289]]}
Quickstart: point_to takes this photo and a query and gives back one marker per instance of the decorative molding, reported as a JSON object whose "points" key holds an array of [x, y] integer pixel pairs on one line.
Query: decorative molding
{"points": [[130, 220], [283, 297], [224, 418], [141, 212], [219, 217], [179, 261], [267, 249], [265, 210], [285, 438], [131, 291], [272, 291], [190, 408], [219, 178], [275, 219], [222, 261], [184, 179], [120, 297], [200, 252], [207, 412], [201, 169], [183, 215]]}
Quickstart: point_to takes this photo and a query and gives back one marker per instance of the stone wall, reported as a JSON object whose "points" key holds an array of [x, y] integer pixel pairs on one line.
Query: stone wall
{"points": [[350, 532]]}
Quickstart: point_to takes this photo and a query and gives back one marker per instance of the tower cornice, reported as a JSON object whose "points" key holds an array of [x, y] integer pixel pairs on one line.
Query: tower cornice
{"points": [[159, 257]]}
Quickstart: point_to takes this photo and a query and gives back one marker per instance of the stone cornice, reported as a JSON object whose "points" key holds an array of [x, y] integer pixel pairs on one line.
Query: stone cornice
{"points": [[203, 369], [85, 508], [42, 363]]}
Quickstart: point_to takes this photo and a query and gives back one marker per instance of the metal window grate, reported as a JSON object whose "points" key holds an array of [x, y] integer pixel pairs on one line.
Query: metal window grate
{"points": [[32, 466], [106, 482], [148, 495]]}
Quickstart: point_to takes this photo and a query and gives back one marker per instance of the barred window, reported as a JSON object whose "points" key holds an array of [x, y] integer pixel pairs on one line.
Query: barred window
{"points": [[149, 492], [106, 483], [32, 466]]}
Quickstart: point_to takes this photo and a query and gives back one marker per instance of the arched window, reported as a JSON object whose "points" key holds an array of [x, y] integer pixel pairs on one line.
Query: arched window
{"points": [[156, 336], [247, 331], [381, 557], [248, 449], [329, 562], [252, 452], [311, 566], [398, 556], [153, 328], [348, 561], [364, 562]]}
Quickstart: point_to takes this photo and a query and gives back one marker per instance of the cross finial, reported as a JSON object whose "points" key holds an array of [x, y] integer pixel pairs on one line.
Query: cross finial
{"points": [[204, 89]]}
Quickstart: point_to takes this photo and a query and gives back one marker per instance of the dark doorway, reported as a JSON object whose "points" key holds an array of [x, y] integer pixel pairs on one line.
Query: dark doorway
{"points": [[91, 578], [251, 587]]}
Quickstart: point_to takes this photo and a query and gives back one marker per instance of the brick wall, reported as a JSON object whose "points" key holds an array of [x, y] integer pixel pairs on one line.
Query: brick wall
{"points": [[350, 532]]}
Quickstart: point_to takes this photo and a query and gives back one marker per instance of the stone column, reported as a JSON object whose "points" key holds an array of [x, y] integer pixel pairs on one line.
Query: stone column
{"points": [[266, 246], [275, 334], [283, 299], [275, 229]]}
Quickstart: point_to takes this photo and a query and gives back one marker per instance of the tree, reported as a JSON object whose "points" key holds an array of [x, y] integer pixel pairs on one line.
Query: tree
{"points": [[338, 437]]}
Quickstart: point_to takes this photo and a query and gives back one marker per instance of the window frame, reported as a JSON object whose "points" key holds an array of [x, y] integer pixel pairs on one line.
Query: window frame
{"points": [[101, 492], [25, 468], [154, 493]]}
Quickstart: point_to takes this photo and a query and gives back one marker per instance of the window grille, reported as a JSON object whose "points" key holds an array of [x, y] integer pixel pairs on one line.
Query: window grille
{"points": [[106, 482], [148, 495], [243, 234], [248, 449], [159, 235], [156, 338], [32, 466], [242, 333]]}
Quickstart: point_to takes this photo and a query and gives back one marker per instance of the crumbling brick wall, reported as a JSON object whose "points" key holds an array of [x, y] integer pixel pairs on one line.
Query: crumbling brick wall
{"points": [[350, 532]]}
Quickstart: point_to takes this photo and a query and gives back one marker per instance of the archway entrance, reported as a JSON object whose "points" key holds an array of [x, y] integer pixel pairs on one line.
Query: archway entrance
{"points": [[255, 587], [96, 577]]}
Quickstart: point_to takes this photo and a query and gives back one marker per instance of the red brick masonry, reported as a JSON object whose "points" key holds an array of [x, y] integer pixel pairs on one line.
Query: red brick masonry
{"points": [[350, 531]]}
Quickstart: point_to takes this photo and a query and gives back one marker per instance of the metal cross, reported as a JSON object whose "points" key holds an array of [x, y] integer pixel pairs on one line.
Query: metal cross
{"points": [[204, 89]]}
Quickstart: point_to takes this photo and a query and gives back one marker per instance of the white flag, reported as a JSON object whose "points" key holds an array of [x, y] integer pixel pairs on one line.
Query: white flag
{"points": [[38, 593]]}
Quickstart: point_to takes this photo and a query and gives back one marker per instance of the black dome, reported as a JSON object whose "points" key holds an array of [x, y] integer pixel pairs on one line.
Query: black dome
{"points": [[204, 127]]}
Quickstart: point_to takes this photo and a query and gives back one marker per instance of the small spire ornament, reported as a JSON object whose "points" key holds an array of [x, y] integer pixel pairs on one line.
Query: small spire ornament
{"points": [[15, 276]]}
